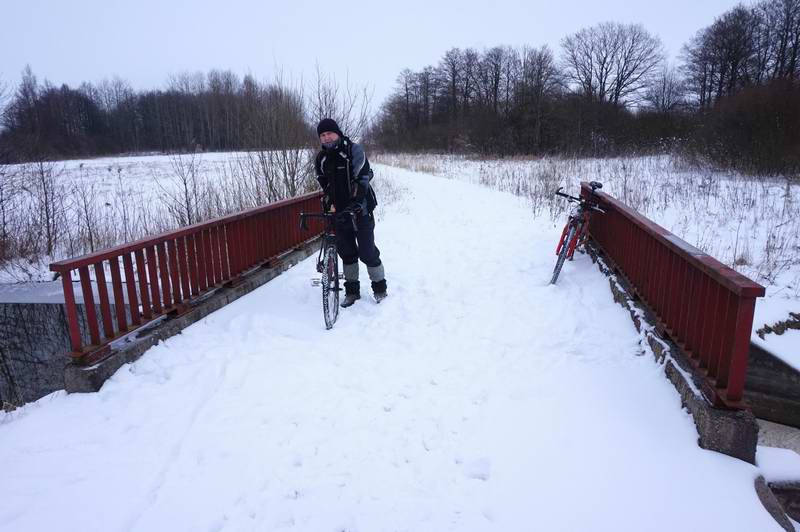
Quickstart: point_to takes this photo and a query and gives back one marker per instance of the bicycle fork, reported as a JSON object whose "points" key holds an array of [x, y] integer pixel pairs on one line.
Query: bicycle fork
{"points": [[561, 240], [573, 243]]}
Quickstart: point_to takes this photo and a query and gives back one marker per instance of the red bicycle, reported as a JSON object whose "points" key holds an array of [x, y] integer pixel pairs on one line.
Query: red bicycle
{"points": [[577, 228]]}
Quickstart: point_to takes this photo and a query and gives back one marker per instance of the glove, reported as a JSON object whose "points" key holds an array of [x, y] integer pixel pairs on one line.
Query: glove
{"points": [[350, 215], [354, 208], [326, 203]]}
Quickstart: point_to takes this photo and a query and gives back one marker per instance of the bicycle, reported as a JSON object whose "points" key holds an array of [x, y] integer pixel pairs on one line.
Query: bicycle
{"points": [[577, 227], [328, 263]]}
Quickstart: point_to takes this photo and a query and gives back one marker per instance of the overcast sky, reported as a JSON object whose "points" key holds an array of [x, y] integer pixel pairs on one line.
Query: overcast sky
{"points": [[143, 41]]}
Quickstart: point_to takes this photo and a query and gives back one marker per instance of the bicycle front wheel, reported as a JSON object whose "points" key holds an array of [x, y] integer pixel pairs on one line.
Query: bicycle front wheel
{"points": [[563, 252], [330, 286]]}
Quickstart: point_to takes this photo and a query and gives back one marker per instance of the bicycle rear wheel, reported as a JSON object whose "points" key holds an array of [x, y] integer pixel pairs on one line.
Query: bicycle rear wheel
{"points": [[330, 286], [563, 252]]}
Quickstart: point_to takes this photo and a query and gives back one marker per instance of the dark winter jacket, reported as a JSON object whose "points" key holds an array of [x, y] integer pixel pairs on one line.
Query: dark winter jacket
{"points": [[344, 174]]}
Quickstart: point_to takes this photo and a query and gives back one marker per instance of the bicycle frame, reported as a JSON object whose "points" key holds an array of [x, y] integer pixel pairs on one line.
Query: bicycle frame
{"points": [[329, 235], [581, 221], [579, 218], [328, 264]]}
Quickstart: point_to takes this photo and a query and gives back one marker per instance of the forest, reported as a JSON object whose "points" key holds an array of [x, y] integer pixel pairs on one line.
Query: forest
{"points": [[731, 98]]}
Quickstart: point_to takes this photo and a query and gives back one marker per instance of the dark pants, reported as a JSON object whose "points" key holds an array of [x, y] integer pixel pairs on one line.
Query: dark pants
{"points": [[358, 245]]}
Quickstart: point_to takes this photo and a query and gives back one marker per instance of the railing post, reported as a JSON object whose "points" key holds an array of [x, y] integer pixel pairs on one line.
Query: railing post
{"points": [[105, 306], [130, 283], [704, 306], [141, 272], [166, 271], [88, 303], [732, 375], [72, 313], [119, 299], [152, 270]]}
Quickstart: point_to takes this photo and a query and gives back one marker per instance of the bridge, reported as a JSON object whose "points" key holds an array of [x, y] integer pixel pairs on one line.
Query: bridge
{"points": [[476, 397]]}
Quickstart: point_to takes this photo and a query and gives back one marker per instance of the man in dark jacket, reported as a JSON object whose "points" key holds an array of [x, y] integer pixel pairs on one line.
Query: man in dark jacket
{"points": [[344, 174]]}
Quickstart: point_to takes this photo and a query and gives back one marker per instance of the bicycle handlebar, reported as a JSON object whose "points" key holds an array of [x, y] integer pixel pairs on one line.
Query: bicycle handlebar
{"points": [[579, 200], [327, 216], [559, 193]]}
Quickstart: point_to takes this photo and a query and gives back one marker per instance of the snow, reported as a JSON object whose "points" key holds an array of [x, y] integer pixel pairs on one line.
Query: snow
{"points": [[778, 465], [784, 346], [750, 224], [475, 397], [131, 197]]}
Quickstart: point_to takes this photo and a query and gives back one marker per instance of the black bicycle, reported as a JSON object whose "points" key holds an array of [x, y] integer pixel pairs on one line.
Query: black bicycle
{"points": [[577, 227], [328, 263]]}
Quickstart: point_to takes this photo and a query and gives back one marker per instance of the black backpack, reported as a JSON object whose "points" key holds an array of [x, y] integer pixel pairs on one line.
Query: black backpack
{"points": [[372, 199]]}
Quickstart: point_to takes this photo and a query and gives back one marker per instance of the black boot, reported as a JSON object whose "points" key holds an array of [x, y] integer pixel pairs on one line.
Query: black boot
{"points": [[352, 293], [379, 289]]}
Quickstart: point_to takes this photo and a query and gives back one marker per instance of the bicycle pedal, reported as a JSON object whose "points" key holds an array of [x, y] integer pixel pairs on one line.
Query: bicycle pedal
{"points": [[316, 282]]}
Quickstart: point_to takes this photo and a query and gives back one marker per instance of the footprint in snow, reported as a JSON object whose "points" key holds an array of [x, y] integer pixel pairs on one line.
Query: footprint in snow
{"points": [[480, 399], [480, 469]]}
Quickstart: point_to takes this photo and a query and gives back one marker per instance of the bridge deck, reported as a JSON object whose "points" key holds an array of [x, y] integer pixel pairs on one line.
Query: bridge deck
{"points": [[476, 397]]}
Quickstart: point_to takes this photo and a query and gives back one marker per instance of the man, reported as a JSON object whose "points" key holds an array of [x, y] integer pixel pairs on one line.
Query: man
{"points": [[344, 173]]}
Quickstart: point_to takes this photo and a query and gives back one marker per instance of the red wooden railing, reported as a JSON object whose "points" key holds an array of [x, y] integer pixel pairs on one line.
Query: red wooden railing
{"points": [[705, 307], [163, 274]]}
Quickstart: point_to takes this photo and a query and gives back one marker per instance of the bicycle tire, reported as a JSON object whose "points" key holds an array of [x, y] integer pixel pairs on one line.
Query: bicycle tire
{"points": [[562, 255], [330, 286]]}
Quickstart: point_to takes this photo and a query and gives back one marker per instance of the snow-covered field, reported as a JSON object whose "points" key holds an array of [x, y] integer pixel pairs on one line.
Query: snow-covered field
{"points": [[476, 397], [750, 224], [97, 203]]}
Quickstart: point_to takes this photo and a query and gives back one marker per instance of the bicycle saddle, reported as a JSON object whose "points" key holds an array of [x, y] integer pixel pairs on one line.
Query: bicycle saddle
{"points": [[595, 185]]}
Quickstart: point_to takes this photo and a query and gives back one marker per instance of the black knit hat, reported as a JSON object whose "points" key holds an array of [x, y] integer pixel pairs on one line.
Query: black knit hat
{"points": [[328, 124]]}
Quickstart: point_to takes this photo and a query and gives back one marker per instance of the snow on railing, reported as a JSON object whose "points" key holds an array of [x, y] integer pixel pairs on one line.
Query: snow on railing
{"points": [[164, 274], [705, 307]]}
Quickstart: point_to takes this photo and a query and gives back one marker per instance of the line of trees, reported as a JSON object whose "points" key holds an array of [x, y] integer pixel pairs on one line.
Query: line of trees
{"points": [[49, 212], [742, 79], [214, 111], [516, 100], [734, 98]]}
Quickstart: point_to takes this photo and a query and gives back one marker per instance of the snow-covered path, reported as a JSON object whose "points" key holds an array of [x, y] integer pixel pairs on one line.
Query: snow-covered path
{"points": [[476, 397]]}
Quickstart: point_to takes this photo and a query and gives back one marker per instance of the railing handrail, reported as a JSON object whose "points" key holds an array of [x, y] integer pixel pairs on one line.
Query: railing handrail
{"points": [[67, 265], [705, 307], [165, 273], [728, 277]]}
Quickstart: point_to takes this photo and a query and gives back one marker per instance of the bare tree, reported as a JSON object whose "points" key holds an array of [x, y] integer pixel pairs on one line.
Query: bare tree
{"points": [[612, 62], [471, 60], [667, 91], [47, 192], [779, 38], [279, 163], [723, 58], [84, 200], [9, 192], [182, 192], [490, 76], [347, 104], [3, 95], [451, 72], [539, 81]]}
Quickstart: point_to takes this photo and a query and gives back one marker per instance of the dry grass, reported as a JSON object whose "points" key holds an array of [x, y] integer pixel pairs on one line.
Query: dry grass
{"points": [[750, 224]]}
